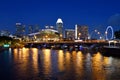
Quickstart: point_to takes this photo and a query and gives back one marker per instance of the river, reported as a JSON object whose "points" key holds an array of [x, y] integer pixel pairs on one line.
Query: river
{"points": [[48, 64]]}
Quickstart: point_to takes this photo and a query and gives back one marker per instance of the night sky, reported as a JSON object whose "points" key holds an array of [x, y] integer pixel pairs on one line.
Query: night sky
{"points": [[97, 14]]}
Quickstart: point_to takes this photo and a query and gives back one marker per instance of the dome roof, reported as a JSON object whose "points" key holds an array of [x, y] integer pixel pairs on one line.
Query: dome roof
{"points": [[59, 20]]}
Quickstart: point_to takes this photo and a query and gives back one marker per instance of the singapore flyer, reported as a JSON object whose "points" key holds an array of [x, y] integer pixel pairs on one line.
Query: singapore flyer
{"points": [[112, 33]]}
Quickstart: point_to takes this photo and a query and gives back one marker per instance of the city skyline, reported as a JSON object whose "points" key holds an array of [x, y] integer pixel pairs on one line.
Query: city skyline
{"points": [[96, 14]]}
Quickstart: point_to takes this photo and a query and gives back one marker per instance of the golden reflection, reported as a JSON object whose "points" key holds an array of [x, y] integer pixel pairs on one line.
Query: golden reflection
{"points": [[61, 60], [15, 54], [97, 67], [106, 61], [35, 59], [25, 53], [20, 57], [98, 56], [67, 60], [67, 57], [79, 59], [74, 61], [26, 58], [47, 61], [74, 58], [74, 55], [15, 51], [79, 63], [18, 53]]}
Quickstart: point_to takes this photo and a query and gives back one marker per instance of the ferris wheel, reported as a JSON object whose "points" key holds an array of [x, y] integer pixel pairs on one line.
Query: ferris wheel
{"points": [[112, 33]]}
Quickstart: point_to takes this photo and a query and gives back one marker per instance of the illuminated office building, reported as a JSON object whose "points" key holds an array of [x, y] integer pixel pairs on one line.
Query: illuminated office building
{"points": [[70, 34], [36, 28], [4, 33], [81, 32], [33, 28], [59, 25], [45, 35], [20, 30], [49, 27], [30, 29]]}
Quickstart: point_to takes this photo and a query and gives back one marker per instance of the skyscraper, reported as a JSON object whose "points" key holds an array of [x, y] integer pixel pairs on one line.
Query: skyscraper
{"points": [[70, 34], [36, 28], [30, 29], [20, 30], [33, 28], [4, 33], [59, 25], [81, 32]]}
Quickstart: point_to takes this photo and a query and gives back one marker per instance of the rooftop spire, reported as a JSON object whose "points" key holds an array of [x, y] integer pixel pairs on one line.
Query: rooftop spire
{"points": [[59, 20]]}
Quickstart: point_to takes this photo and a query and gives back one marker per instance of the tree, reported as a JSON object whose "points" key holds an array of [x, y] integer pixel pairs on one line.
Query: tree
{"points": [[117, 34]]}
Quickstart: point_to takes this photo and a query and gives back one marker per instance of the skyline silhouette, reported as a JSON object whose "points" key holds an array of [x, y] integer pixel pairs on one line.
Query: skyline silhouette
{"points": [[96, 14]]}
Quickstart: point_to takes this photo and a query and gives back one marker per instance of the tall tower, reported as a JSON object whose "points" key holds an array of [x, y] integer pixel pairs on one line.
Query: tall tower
{"points": [[30, 29], [20, 30], [76, 32], [59, 25], [36, 28]]}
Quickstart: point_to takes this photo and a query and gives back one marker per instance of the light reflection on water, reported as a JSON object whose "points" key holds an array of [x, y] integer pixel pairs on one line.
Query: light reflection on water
{"points": [[35, 64], [61, 60], [46, 62], [97, 67]]}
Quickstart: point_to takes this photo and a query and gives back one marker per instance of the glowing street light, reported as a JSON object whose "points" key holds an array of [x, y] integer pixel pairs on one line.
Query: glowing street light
{"points": [[105, 32], [98, 32], [100, 37], [95, 30]]}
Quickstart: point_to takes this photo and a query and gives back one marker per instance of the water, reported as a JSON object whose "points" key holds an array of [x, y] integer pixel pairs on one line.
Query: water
{"points": [[46, 64]]}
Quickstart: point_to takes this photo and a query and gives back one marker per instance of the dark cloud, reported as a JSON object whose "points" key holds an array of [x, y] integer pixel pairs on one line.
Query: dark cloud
{"points": [[114, 20]]}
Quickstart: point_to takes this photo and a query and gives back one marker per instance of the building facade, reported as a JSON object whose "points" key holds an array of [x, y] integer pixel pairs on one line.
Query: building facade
{"points": [[33, 28], [36, 28], [59, 25], [70, 34], [20, 30], [45, 35], [30, 29], [4, 33], [81, 32]]}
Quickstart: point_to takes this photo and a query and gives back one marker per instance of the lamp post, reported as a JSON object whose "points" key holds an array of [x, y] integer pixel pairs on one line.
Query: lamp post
{"points": [[100, 37], [95, 30], [98, 33]]}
